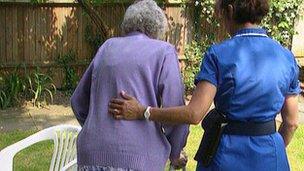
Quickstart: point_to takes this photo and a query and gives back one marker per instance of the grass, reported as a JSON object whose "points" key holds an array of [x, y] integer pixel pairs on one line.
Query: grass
{"points": [[295, 150], [35, 158], [38, 156]]}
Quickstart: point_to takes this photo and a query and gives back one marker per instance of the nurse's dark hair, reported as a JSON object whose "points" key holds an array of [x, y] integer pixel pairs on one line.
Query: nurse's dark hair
{"points": [[247, 10]]}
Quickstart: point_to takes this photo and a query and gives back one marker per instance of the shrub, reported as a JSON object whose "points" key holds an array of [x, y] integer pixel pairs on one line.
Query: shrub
{"points": [[12, 86], [16, 87], [193, 57], [281, 19], [70, 76], [41, 88], [279, 23]]}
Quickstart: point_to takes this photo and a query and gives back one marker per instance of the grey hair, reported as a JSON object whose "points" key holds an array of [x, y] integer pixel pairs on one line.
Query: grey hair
{"points": [[146, 17]]}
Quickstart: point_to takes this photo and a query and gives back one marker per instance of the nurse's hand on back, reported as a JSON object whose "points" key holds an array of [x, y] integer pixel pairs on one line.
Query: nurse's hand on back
{"points": [[251, 78]]}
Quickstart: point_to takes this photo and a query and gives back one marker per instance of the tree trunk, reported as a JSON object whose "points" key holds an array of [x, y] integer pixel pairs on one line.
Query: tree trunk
{"points": [[96, 18]]}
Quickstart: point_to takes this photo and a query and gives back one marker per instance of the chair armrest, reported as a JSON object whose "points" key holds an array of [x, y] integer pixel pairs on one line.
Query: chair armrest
{"points": [[69, 165], [8, 153]]}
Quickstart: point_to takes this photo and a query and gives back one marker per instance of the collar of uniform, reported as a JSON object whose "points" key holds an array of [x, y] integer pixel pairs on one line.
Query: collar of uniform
{"points": [[251, 31]]}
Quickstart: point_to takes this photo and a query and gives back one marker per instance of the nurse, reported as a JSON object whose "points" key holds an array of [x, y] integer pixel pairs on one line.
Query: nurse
{"points": [[251, 78]]}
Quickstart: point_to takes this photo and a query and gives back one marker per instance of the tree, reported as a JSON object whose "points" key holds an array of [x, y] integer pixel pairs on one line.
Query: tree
{"points": [[87, 6]]}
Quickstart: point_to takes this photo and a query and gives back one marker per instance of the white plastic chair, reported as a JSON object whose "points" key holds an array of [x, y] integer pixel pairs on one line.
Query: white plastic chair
{"points": [[64, 156]]}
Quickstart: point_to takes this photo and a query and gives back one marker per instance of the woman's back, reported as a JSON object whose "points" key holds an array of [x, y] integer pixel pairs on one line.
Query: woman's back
{"points": [[253, 75], [142, 65], [138, 65]]}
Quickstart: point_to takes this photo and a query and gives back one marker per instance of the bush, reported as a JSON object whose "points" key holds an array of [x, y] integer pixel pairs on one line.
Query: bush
{"points": [[70, 76], [281, 19], [279, 23], [16, 87], [12, 86], [41, 88], [193, 57]]}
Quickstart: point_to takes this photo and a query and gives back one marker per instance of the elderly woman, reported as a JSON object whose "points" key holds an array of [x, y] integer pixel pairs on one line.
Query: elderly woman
{"points": [[251, 79], [147, 68]]}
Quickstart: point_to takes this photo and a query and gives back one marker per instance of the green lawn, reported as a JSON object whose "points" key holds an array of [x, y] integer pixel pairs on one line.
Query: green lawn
{"points": [[34, 158], [38, 157], [295, 149]]}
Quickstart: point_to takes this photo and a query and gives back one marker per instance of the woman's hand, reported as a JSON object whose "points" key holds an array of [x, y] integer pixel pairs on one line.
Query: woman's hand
{"points": [[127, 108]]}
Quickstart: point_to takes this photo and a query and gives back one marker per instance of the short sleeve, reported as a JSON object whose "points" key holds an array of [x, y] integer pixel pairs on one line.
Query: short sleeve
{"points": [[209, 70], [294, 87]]}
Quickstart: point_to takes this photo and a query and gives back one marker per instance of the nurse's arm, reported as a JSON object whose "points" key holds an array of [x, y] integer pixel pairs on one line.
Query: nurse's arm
{"points": [[290, 118], [130, 109]]}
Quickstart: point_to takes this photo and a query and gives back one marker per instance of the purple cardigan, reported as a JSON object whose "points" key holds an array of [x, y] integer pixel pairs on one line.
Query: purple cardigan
{"points": [[147, 69]]}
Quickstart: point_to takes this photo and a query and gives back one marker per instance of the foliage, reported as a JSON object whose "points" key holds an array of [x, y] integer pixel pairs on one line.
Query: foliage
{"points": [[195, 50], [279, 23], [281, 19], [41, 87], [70, 76], [15, 87], [207, 11], [12, 86], [93, 38], [119, 1], [193, 57], [38, 1]]}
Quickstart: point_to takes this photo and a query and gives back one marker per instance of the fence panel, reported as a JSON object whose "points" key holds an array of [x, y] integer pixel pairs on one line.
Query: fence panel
{"points": [[35, 35]]}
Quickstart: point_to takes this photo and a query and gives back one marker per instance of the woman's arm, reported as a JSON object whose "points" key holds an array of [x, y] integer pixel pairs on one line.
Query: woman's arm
{"points": [[290, 118], [80, 100], [130, 109], [194, 112]]}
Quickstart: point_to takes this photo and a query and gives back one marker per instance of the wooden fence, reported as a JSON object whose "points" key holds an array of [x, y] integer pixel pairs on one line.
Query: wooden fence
{"points": [[35, 35]]}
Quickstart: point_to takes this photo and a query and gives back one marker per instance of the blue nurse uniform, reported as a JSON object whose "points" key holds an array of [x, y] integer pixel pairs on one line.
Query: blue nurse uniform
{"points": [[253, 75]]}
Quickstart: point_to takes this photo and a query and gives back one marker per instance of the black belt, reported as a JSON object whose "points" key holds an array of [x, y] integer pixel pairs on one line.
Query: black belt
{"points": [[216, 123], [250, 128]]}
